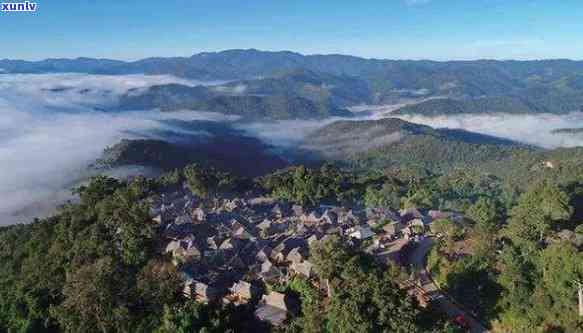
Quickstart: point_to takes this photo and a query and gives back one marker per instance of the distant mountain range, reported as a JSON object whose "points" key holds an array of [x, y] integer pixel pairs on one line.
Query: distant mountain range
{"points": [[281, 84], [295, 94]]}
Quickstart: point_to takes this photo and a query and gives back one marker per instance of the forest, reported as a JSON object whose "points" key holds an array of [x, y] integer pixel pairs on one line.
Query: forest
{"points": [[94, 266]]}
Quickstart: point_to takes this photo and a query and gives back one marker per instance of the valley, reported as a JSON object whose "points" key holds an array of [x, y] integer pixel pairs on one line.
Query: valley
{"points": [[271, 190]]}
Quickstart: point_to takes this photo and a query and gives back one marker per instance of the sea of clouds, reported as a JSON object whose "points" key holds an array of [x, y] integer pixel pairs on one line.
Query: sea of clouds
{"points": [[531, 129], [52, 126]]}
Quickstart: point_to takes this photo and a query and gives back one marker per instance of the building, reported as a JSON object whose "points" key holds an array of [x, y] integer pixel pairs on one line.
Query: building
{"points": [[275, 308], [361, 232]]}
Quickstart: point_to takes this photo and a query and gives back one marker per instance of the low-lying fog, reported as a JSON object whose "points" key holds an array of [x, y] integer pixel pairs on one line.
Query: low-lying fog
{"points": [[531, 129], [53, 126], [51, 129]]}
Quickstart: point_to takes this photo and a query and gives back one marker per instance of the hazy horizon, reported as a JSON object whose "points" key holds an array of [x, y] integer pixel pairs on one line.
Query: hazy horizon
{"points": [[154, 56]]}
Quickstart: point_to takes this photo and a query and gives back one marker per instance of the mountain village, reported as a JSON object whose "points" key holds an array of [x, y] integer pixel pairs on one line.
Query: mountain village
{"points": [[231, 251]]}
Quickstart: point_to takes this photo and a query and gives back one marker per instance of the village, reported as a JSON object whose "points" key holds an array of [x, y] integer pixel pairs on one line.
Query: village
{"points": [[231, 251]]}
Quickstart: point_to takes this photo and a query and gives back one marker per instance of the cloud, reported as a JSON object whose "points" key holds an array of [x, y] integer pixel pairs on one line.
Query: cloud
{"points": [[534, 129], [53, 126]]}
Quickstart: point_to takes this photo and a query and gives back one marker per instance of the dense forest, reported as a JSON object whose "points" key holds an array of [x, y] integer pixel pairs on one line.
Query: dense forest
{"points": [[96, 266]]}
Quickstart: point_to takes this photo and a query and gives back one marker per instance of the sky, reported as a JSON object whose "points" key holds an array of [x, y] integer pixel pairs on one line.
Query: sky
{"points": [[394, 29]]}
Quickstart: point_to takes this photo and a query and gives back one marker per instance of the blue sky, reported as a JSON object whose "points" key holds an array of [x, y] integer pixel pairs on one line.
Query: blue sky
{"points": [[396, 29]]}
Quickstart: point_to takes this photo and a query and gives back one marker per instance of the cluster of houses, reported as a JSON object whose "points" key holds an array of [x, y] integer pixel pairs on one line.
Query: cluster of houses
{"points": [[231, 251]]}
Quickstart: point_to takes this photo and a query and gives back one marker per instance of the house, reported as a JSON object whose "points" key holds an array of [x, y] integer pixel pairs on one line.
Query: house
{"points": [[242, 292], [329, 217], [186, 254], [229, 244], [201, 291], [313, 238], [232, 205], [393, 228], [158, 219], [314, 217], [172, 246], [212, 243], [280, 211], [199, 215], [298, 210], [183, 219], [241, 233], [411, 214], [275, 308], [304, 268], [360, 232], [237, 263], [263, 254], [280, 227], [420, 223], [297, 254], [268, 272], [265, 228], [281, 251], [382, 214], [183, 251]]}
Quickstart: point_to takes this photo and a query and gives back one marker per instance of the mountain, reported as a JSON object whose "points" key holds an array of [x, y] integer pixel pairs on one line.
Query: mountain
{"points": [[297, 94], [449, 106], [223, 147], [319, 87], [393, 142], [387, 79]]}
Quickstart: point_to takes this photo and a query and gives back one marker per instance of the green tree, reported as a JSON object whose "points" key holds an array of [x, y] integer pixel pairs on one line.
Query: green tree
{"points": [[538, 209], [97, 297], [486, 212], [386, 196]]}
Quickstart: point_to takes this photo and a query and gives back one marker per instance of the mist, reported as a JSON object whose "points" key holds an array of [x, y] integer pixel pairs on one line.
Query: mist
{"points": [[52, 127], [530, 129]]}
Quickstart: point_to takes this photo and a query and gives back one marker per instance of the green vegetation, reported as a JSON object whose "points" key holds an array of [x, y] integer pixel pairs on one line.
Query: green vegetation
{"points": [[267, 99], [93, 268], [314, 186], [512, 268], [491, 86], [364, 298], [447, 106]]}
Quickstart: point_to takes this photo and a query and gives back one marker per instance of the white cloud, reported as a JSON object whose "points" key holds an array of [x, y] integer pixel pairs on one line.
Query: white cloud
{"points": [[50, 131], [534, 129]]}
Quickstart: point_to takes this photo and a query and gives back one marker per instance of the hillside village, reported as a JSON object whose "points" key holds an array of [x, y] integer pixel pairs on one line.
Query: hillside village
{"points": [[231, 251]]}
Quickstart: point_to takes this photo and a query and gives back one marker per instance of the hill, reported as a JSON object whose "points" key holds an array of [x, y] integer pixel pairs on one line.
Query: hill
{"points": [[224, 148], [533, 101], [553, 85], [394, 142], [294, 95]]}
